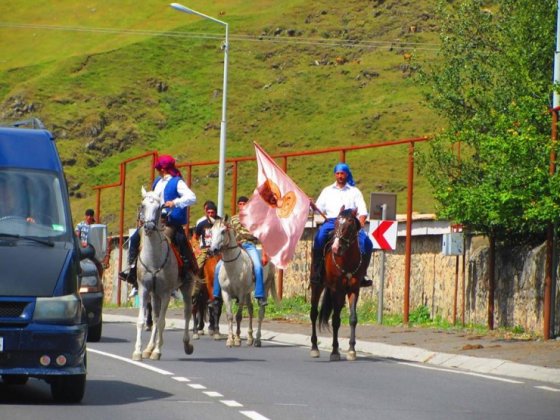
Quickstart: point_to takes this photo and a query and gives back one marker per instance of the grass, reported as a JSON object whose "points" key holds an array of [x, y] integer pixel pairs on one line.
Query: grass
{"points": [[100, 91], [297, 309]]}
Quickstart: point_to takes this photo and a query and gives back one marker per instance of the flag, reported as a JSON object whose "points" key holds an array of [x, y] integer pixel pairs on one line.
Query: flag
{"points": [[276, 212]]}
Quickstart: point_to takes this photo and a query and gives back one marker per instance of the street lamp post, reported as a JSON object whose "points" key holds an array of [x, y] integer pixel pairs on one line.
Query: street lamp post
{"points": [[222, 161]]}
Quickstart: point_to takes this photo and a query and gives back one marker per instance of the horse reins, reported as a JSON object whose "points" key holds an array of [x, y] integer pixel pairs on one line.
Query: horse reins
{"points": [[348, 242], [229, 248], [154, 273]]}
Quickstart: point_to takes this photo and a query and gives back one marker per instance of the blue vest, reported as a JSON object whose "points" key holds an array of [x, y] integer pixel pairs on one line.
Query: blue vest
{"points": [[177, 216]]}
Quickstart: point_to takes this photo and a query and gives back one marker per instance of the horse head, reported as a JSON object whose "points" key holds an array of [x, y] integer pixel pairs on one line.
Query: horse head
{"points": [[346, 230], [221, 235], [150, 211]]}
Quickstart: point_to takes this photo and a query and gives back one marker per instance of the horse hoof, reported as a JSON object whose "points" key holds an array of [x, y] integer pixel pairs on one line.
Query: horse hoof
{"points": [[136, 356], [188, 348], [237, 342], [335, 357], [314, 353], [200, 332], [146, 355], [155, 356], [229, 343], [195, 336], [257, 343], [250, 342], [218, 336], [351, 356]]}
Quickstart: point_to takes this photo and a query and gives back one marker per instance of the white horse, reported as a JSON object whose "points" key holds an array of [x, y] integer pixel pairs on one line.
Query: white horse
{"points": [[158, 277], [237, 282]]}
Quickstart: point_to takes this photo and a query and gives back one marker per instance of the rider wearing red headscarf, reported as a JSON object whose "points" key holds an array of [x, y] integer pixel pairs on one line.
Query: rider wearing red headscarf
{"points": [[176, 196]]}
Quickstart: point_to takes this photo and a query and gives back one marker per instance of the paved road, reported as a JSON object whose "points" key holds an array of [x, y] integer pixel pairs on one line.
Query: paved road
{"points": [[277, 381], [491, 353]]}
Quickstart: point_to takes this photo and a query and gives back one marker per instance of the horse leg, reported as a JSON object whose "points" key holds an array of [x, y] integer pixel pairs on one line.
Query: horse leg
{"points": [[229, 316], [315, 295], [159, 307], [186, 291], [195, 315], [250, 312], [238, 318], [353, 304], [259, 325], [143, 295], [216, 313], [335, 353]]}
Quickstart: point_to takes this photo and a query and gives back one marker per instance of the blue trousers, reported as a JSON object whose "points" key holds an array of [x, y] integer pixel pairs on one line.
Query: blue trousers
{"points": [[257, 266], [322, 235]]}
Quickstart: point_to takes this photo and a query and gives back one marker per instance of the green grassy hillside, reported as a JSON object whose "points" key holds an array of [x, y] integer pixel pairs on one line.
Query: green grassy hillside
{"points": [[116, 79]]}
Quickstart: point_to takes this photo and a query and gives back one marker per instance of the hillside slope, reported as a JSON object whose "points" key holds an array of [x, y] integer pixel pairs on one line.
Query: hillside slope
{"points": [[116, 80]]}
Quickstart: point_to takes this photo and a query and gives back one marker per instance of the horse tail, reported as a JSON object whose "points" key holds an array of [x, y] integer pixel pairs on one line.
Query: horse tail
{"points": [[326, 310], [272, 282]]}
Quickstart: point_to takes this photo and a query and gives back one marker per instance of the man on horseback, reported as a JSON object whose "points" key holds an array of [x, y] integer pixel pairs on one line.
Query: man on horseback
{"points": [[203, 234], [249, 243], [341, 193], [176, 196]]}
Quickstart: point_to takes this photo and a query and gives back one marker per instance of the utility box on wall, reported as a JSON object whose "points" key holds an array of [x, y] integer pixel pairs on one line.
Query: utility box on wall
{"points": [[452, 243]]}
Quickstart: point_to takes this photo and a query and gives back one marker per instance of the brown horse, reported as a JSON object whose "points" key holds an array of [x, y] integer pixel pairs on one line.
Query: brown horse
{"points": [[200, 302], [341, 279]]}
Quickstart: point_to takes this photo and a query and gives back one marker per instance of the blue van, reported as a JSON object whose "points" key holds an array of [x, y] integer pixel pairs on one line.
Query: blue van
{"points": [[43, 327]]}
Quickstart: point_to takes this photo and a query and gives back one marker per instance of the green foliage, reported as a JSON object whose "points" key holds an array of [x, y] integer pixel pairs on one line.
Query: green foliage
{"points": [[493, 86], [420, 315]]}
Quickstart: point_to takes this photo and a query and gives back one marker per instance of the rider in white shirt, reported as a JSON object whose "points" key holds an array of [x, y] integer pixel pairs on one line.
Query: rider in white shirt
{"points": [[341, 193]]}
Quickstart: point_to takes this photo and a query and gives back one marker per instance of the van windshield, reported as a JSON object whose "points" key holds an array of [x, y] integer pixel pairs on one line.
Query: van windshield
{"points": [[31, 204]]}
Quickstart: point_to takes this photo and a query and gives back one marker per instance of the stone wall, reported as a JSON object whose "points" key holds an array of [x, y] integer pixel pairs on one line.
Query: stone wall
{"points": [[436, 281]]}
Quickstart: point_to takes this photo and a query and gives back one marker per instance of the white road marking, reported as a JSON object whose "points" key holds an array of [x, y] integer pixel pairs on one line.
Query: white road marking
{"points": [[254, 415], [132, 362], [212, 394], [460, 372], [197, 386], [548, 388], [231, 403]]}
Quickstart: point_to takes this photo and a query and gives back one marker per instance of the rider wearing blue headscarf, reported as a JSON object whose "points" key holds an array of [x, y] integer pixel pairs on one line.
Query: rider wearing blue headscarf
{"points": [[342, 193]]}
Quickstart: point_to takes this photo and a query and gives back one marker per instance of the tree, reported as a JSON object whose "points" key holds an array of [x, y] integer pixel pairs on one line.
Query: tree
{"points": [[493, 84]]}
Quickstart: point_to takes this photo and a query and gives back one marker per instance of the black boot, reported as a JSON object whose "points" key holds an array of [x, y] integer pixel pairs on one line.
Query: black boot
{"points": [[129, 275], [365, 281], [317, 267]]}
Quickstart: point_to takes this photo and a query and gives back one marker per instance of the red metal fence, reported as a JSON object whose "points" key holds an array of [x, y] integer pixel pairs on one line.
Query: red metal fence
{"points": [[341, 151]]}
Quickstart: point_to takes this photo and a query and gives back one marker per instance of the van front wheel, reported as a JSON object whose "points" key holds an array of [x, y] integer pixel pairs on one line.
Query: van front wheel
{"points": [[68, 389]]}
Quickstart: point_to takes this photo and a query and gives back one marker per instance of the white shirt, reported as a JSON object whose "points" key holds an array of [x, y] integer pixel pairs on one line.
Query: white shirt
{"points": [[186, 196], [332, 198]]}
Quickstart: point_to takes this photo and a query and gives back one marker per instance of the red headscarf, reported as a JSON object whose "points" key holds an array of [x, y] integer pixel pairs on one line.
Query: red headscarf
{"points": [[168, 163]]}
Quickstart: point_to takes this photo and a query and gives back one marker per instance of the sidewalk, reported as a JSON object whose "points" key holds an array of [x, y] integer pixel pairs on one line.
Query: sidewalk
{"points": [[487, 354]]}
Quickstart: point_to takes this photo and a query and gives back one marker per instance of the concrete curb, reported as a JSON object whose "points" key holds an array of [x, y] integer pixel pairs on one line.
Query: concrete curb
{"points": [[412, 354]]}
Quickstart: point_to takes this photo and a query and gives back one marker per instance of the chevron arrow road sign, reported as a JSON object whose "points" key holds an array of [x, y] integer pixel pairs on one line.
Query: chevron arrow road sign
{"points": [[383, 233]]}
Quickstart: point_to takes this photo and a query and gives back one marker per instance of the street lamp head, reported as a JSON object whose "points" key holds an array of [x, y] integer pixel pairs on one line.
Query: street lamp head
{"points": [[182, 8]]}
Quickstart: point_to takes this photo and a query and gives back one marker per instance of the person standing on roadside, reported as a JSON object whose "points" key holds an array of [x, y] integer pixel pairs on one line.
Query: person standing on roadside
{"points": [[82, 228]]}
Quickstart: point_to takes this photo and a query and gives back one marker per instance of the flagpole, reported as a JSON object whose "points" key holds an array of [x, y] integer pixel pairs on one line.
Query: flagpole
{"points": [[314, 207]]}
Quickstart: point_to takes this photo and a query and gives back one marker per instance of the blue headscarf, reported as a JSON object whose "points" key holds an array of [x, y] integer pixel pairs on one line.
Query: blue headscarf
{"points": [[345, 168]]}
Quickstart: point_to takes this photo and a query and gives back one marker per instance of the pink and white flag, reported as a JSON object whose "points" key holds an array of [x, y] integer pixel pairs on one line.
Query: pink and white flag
{"points": [[276, 212]]}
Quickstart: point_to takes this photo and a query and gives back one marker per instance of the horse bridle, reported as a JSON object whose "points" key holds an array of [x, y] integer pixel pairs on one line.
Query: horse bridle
{"points": [[346, 241], [226, 247], [152, 224]]}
